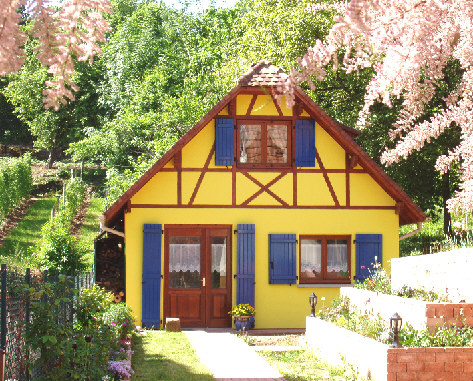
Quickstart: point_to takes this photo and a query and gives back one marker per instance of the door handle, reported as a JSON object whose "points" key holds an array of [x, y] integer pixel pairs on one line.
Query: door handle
{"points": [[203, 282]]}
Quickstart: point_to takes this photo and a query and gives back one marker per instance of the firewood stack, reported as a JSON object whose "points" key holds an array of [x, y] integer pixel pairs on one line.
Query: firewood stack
{"points": [[110, 266]]}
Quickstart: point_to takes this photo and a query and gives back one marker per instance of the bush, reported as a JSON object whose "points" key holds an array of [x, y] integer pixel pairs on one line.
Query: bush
{"points": [[92, 304], [67, 351], [119, 317], [16, 183], [60, 252]]}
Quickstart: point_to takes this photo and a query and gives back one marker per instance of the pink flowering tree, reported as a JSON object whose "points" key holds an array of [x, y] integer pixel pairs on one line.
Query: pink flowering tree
{"points": [[71, 30], [408, 44]]}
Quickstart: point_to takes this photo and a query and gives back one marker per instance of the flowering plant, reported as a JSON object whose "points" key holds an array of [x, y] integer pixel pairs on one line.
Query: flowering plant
{"points": [[120, 370], [120, 320], [242, 310]]}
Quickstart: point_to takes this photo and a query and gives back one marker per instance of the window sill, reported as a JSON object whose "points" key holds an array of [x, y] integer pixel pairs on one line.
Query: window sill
{"points": [[323, 285]]}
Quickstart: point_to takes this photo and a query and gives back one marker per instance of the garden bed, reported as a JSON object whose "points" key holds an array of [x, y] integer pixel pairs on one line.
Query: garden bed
{"points": [[417, 313], [378, 361]]}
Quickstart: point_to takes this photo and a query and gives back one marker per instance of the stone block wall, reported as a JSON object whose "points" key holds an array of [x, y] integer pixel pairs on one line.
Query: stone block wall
{"points": [[446, 364], [417, 313], [446, 273], [379, 362]]}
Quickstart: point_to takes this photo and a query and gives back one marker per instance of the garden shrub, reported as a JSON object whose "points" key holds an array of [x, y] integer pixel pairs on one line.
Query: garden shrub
{"points": [[92, 304], [58, 251], [67, 350], [119, 317], [16, 183]]}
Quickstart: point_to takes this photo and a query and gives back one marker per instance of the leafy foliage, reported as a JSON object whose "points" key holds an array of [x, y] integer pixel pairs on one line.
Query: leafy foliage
{"points": [[16, 183], [379, 281], [445, 336], [120, 318], [59, 251], [66, 351]]}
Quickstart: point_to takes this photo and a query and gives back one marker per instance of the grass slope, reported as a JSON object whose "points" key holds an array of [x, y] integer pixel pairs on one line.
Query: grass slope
{"points": [[91, 227], [28, 232], [166, 356]]}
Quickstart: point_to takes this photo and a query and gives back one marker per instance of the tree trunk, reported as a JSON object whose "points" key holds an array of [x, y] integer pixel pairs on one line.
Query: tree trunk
{"points": [[52, 157], [447, 221]]}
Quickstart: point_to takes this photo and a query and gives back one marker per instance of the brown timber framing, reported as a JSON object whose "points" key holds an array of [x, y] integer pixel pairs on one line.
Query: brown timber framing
{"points": [[409, 213], [252, 103], [264, 188], [347, 179], [327, 180], [211, 206], [202, 174]]}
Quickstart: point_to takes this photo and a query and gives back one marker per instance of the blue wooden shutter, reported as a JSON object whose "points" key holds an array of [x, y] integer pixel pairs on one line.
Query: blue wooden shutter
{"points": [[305, 143], [282, 259], [368, 246], [246, 264], [151, 285], [224, 141]]}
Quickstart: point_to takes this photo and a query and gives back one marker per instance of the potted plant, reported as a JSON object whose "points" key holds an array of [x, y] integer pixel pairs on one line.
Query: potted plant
{"points": [[243, 316]]}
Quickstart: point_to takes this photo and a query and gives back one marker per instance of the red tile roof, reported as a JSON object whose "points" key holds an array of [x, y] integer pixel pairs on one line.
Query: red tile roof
{"points": [[263, 73]]}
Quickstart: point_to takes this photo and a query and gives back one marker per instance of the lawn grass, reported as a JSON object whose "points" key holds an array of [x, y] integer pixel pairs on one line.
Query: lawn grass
{"points": [[303, 365], [91, 227], [166, 356], [28, 232]]}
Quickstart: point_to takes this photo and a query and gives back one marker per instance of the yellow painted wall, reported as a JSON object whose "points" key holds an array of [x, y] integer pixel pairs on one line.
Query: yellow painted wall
{"points": [[276, 305]]}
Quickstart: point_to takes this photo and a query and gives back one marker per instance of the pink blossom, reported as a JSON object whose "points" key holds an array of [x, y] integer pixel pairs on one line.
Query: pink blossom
{"points": [[76, 28], [408, 43]]}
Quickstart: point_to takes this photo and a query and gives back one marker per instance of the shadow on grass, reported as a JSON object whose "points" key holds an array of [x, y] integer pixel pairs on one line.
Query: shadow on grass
{"points": [[166, 357]]}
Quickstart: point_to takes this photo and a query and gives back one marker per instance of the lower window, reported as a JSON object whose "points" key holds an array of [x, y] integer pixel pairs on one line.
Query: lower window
{"points": [[324, 259]]}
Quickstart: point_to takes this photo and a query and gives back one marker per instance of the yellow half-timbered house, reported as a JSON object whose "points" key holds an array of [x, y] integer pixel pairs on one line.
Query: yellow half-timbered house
{"points": [[257, 203]]}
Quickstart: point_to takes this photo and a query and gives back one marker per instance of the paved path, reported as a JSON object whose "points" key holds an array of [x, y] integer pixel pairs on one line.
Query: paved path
{"points": [[230, 358]]}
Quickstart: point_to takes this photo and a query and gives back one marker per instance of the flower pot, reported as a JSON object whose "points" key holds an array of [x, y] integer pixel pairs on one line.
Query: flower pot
{"points": [[244, 323]]}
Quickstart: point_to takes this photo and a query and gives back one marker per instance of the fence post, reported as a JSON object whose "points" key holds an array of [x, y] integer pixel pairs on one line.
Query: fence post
{"points": [[27, 316], [3, 321]]}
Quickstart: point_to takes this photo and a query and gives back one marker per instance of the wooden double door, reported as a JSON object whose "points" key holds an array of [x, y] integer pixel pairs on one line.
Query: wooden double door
{"points": [[198, 274]]}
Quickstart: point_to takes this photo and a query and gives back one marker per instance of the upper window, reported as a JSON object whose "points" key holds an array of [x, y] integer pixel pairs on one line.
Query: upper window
{"points": [[324, 259], [262, 143]]}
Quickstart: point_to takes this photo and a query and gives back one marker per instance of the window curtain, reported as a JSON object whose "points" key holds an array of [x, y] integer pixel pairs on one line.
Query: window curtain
{"points": [[311, 257], [219, 252], [184, 257], [337, 256]]}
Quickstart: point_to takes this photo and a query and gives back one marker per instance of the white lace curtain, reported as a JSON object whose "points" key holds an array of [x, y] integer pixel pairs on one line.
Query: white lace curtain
{"points": [[337, 256], [219, 263], [310, 258], [184, 257]]}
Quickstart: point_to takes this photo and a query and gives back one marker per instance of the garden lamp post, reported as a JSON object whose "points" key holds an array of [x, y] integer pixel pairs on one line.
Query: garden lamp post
{"points": [[395, 323], [313, 303]]}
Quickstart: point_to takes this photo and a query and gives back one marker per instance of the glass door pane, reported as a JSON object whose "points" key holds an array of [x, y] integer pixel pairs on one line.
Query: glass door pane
{"points": [[184, 262], [219, 262]]}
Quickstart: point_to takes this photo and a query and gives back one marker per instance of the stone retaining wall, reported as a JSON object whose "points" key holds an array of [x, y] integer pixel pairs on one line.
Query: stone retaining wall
{"points": [[379, 362], [446, 273], [447, 364], [417, 313]]}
